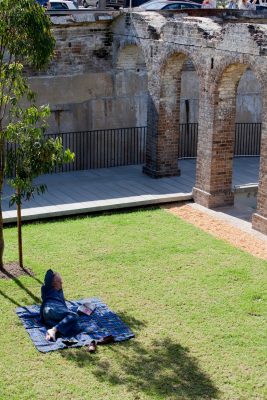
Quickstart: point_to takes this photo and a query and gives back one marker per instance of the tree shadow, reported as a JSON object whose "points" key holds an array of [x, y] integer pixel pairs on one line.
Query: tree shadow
{"points": [[21, 286], [161, 368], [3, 294], [135, 324], [28, 273], [21, 271]]}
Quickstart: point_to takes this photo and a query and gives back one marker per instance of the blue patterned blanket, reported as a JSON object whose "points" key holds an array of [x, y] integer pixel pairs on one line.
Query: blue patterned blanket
{"points": [[103, 322]]}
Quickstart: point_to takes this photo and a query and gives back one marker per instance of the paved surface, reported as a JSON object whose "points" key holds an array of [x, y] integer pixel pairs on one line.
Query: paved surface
{"points": [[237, 216], [110, 188]]}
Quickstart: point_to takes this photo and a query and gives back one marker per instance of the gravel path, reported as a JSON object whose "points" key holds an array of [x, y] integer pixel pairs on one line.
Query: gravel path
{"points": [[221, 229]]}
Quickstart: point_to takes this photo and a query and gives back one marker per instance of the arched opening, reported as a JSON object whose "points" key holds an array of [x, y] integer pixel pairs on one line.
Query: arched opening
{"points": [[222, 138], [131, 58], [128, 109], [166, 113], [224, 135], [247, 143], [130, 88]]}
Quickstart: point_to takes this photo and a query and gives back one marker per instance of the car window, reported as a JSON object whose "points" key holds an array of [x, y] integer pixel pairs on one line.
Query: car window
{"points": [[175, 6], [183, 6], [154, 6], [180, 6], [59, 6]]}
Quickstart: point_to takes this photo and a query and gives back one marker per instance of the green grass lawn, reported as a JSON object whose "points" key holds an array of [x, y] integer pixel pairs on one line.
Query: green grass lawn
{"points": [[195, 303]]}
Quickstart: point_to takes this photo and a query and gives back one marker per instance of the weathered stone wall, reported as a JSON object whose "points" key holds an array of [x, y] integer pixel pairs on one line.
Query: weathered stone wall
{"points": [[92, 85], [86, 87]]}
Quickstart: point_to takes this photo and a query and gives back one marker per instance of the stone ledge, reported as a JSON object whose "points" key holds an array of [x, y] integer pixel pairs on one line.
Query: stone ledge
{"points": [[214, 199], [248, 188], [63, 210], [259, 223], [78, 17]]}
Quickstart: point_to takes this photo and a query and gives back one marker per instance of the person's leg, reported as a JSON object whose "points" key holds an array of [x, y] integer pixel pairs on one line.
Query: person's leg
{"points": [[67, 323], [59, 319]]}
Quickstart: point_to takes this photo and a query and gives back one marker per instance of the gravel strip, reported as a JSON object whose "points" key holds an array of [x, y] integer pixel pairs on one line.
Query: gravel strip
{"points": [[220, 229]]}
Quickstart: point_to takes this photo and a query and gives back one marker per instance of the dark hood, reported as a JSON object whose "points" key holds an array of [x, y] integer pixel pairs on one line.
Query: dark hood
{"points": [[48, 281]]}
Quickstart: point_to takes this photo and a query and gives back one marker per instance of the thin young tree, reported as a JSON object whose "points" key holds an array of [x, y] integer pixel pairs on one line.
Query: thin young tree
{"points": [[25, 39], [29, 155]]}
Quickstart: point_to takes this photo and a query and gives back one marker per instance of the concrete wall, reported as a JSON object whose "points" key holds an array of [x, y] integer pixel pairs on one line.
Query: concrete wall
{"points": [[94, 100], [86, 86]]}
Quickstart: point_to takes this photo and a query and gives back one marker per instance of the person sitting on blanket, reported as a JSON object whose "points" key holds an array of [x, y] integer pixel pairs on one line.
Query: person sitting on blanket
{"points": [[55, 313]]}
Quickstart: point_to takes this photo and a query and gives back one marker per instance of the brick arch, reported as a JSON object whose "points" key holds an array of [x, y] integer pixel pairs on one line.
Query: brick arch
{"points": [[130, 57], [171, 54], [224, 133], [246, 62], [259, 219], [216, 148], [163, 118]]}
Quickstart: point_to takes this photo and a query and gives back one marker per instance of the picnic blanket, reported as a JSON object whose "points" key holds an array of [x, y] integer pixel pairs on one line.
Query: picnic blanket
{"points": [[102, 322]]}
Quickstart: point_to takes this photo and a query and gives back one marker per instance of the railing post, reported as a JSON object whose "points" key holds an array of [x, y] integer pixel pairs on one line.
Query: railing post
{"points": [[101, 5]]}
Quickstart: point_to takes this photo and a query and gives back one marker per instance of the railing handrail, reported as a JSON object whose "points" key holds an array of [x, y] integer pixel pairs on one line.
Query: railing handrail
{"points": [[96, 130], [103, 148]]}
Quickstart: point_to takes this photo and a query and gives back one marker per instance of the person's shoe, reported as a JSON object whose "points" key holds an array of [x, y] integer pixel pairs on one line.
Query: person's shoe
{"points": [[106, 340], [51, 335], [92, 347]]}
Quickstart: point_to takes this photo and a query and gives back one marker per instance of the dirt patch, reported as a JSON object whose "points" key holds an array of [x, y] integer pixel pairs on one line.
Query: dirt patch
{"points": [[13, 270], [220, 229]]}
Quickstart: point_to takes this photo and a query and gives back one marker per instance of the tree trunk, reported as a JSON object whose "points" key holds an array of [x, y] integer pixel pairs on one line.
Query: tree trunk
{"points": [[19, 232], [2, 243], [2, 162]]}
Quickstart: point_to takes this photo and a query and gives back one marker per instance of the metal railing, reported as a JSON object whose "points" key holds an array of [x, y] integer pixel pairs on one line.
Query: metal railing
{"points": [[126, 146], [247, 139], [188, 134], [104, 148]]}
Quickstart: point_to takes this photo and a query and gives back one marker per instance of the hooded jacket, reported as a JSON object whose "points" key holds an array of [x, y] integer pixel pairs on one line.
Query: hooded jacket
{"points": [[49, 294]]}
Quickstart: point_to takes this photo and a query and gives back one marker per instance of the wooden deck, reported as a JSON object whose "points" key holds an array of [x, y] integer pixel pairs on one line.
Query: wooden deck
{"points": [[87, 191]]}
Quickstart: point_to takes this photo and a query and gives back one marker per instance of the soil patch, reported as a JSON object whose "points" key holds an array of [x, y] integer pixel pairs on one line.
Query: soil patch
{"points": [[220, 229], [13, 270]]}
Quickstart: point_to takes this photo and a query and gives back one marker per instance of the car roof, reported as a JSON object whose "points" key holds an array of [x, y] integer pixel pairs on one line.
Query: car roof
{"points": [[169, 2], [60, 1]]}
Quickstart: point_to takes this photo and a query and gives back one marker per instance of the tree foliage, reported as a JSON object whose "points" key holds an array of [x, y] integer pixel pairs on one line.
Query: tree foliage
{"points": [[30, 153], [25, 39]]}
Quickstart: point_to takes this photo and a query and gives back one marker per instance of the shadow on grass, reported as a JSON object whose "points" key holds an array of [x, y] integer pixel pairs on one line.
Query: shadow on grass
{"points": [[162, 368], [135, 324], [86, 215], [3, 294], [21, 286]]}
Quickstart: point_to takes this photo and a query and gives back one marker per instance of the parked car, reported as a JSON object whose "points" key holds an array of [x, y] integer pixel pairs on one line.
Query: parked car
{"points": [[168, 5], [138, 3], [42, 3], [261, 5], [61, 5], [90, 3], [109, 3], [135, 3]]}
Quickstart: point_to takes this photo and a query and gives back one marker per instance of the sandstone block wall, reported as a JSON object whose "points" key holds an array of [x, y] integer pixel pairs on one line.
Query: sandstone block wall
{"points": [[93, 84], [86, 87]]}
